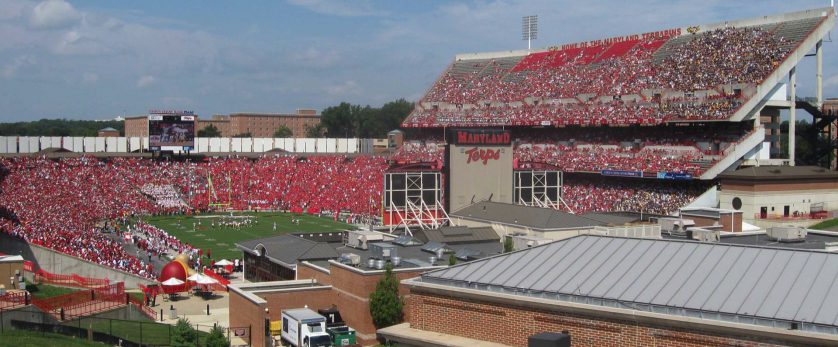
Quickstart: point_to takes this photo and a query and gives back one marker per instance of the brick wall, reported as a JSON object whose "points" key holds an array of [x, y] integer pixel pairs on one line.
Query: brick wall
{"points": [[512, 325], [305, 271], [245, 313]]}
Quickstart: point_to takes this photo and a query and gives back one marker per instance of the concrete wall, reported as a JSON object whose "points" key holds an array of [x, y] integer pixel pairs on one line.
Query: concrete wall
{"points": [[63, 264]]}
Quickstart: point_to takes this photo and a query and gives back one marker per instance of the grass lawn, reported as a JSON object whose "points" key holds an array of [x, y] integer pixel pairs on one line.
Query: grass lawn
{"points": [[23, 338], [825, 225], [42, 291], [222, 240]]}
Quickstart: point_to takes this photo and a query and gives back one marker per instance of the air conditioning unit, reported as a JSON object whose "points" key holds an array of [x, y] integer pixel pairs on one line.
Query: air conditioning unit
{"points": [[787, 234], [350, 259], [383, 251], [361, 239], [704, 235]]}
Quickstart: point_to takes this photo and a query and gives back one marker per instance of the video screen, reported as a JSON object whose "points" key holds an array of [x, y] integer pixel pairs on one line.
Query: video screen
{"points": [[171, 131]]}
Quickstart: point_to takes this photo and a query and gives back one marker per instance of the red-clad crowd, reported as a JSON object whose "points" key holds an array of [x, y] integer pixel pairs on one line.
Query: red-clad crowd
{"points": [[567, 86], [574, 149], [62, 204], [647, 196]]}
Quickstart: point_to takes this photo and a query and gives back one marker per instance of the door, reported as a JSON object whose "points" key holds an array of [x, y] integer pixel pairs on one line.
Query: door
{"points": [[785, 211], [763, 212]]}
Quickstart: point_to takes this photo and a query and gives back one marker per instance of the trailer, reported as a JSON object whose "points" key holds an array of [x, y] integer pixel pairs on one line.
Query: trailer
{"points": [[303, 327]]}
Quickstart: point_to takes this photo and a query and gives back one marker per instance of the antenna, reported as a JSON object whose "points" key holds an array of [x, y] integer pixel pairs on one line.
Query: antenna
{"points": [[529, 29]]}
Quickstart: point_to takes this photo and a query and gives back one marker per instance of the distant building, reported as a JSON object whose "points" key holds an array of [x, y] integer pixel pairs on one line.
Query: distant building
{"points": [[779, 192], [108, 132], [136, 126], [256, 124]]}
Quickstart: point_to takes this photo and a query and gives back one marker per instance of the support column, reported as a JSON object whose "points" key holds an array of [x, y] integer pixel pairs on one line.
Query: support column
{"points": [[819, 73], [792, 112]]}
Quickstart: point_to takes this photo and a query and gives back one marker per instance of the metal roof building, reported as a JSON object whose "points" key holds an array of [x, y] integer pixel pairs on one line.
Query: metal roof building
{"points": [[773, 287]]}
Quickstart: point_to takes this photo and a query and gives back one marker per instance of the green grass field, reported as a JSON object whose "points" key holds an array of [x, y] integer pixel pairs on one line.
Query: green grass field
{"points": [[22, 338], [43, 291], [145, 332], [222, 240], [826, 225]]}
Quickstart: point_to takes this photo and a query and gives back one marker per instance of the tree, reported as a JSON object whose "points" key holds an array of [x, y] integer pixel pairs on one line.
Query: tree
{"points": [[810, 147], [508, 245], [283, 131], [216, 338], [347, 120], [385, 303], [452, 260], [315, 131], [247, 134], [209, 131], [183, 335]]}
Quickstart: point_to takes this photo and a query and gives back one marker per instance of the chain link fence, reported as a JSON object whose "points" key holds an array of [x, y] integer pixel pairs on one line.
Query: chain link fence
{"points": [[115, 332]]}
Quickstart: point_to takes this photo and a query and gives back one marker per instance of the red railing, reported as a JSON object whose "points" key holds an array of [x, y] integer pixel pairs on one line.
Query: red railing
{"points": [[70, 280], [12, 300], [148, 311], [73, 300], [223, 281]]}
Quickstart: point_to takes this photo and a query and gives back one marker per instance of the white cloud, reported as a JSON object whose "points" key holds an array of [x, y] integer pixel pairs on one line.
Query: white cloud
{"points": [[145, 81], [340, 8], [16, 64], [89, 78], [348, 88], [54, 14]]}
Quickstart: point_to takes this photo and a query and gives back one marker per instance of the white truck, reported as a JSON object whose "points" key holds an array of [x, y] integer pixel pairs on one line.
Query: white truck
{"points": [[302, 327]]}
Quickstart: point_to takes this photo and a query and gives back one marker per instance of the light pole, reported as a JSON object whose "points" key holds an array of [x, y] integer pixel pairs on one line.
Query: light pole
{"points": [[529, 29]]}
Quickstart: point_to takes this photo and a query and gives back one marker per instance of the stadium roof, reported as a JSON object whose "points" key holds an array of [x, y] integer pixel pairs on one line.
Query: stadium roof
{"points": [[746, 284], [528, 216]]}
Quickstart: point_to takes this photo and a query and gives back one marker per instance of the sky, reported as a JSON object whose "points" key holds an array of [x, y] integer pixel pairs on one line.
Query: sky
{"points": [[101, 59]]}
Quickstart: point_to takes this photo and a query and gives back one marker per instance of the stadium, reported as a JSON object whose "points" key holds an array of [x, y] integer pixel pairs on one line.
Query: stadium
{"points": [[643, 123]]}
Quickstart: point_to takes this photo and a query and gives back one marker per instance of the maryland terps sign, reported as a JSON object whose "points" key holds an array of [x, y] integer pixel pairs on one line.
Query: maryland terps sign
{"points": [[481, 137], [481, 154]]}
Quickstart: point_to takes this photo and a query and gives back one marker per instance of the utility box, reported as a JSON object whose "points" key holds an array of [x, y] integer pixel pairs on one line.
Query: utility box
{"points": [[549, 340]]}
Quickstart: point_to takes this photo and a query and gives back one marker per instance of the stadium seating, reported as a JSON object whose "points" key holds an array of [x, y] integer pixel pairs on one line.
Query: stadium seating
{"points": [[63, 204], [702, 76], [576, 149], [648, 196]]}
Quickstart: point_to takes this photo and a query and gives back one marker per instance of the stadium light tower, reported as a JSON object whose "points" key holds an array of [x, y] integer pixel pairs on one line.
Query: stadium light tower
{"points": [[529, 29]]}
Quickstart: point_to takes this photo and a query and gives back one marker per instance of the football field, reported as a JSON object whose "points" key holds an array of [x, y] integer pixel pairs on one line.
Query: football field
{"points": [[215, 231]]}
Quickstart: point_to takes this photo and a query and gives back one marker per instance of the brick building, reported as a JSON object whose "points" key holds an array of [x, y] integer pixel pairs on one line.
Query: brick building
{"points": [[346, 287], [257, 124], [612, 291], [136, 126], [312, 275]]}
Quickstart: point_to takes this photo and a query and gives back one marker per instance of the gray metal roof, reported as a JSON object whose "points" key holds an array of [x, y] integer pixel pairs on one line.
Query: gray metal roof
{"points": [[529, 216], [290, 248], [745, 284], [457, 234], [780, 173]]}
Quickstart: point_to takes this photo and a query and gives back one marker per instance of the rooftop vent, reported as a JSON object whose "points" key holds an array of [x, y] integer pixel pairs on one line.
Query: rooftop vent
{"points": [[787, 234]]}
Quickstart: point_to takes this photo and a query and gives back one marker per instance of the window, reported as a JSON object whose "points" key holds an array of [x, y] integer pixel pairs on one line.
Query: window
{"points": [[285, 324]]}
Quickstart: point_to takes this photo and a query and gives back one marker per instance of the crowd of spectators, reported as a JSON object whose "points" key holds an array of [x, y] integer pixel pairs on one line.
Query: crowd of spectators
{"points": [[60, 204], [576, 149], [489, 93], [157, 242], [648, 196], [165, 196]]}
